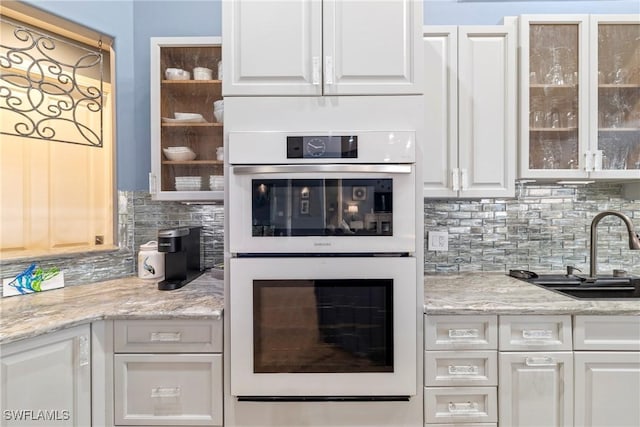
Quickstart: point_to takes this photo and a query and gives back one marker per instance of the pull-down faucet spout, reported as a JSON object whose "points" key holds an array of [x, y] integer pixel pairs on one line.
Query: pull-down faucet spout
{"points": [[634, 239]]}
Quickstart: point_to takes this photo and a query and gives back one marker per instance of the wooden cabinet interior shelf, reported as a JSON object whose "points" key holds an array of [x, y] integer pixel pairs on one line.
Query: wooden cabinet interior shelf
{"points": [[205, 138], [192, 162], [192, 125]]}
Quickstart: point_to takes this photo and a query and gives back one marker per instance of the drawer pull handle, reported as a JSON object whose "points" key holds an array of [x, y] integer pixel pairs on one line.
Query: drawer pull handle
{"points": [[463, 407], [165, 392], [84, 355], [463, 370], [540, 361], [464, 333], [165, 336], [537, 334]]}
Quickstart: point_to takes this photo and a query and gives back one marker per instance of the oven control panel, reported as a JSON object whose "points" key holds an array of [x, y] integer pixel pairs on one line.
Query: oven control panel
{"points": [[322, 147]]}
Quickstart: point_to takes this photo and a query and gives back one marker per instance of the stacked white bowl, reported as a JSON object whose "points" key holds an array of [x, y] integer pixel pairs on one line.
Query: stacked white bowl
{"points": [[188, 183], [216, 182], [202, 73], [179, 153], [177, 74]]}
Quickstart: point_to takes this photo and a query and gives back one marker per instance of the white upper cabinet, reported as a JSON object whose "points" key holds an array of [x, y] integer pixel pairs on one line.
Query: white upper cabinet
{"points": [[580, 86], [615, 96], [329, 47], [197, 172], [470, 111]]}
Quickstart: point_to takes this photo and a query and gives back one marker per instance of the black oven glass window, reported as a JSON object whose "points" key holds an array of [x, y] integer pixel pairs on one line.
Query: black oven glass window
{"points": [[323, 326], [322, 207]]}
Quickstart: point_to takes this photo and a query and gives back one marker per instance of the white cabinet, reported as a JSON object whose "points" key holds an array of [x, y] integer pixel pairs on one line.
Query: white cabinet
{"points": [[168, 372], [328, 47], [536, 380], [47, 380], [550, 373], [460, 370], [536, 389], [607, 383], [182, 176], [470, 111], [579, 87]]}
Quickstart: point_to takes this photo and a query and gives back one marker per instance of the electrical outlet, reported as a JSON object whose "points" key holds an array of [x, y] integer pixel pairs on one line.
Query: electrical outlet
{"points": [[438, 241]]}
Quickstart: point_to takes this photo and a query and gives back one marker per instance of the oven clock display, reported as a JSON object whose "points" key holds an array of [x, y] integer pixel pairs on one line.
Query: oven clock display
{"points": [[316, 147], [322, 147]]}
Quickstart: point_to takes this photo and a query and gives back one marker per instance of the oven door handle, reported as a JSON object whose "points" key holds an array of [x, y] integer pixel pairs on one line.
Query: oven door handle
{"points": [[346, 168]]}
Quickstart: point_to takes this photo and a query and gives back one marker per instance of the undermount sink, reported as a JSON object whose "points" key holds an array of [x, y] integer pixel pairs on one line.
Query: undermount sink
{"points": [[605, 287]]}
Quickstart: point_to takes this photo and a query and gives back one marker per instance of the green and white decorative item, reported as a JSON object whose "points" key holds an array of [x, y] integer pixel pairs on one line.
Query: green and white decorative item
{"points": [[33, 279]]}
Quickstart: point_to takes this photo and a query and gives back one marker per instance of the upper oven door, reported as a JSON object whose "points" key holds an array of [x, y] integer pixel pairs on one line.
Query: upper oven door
{"points": [[315, 326], [322, 192]]}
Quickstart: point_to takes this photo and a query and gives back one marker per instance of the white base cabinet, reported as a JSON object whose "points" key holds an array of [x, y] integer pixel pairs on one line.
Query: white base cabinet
{"points": [[46, 381], [536, 389], [607, 386], [168, 389], [607, 382], [460, 370], [168, 372], [552, 370]]}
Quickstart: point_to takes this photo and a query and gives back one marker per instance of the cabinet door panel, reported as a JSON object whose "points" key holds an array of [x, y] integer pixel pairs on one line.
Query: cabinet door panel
{"points": [[607, 389], [271, 46], [615, 94], [536, 389], [50, 376], [554, 96], [487, 105], [370, 46], [440, 151], [160, 389]]}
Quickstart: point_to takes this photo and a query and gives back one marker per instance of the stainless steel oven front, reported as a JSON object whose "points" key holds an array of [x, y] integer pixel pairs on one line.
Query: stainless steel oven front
{"points": [[323, 327], [339, 192]]}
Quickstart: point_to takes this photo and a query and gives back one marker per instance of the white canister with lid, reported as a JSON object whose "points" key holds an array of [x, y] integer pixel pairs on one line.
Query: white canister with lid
{"points": [[150, 261]]}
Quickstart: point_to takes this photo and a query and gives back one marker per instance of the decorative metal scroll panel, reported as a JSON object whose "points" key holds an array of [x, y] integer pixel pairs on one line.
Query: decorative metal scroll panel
{"points": [[40, 90]]}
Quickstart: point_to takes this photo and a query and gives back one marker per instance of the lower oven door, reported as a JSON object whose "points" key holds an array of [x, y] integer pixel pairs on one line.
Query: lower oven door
{"points": [[323, 326]]}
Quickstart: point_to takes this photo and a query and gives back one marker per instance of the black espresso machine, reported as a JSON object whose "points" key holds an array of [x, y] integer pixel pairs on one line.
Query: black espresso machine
{"points": [[182, 256]]}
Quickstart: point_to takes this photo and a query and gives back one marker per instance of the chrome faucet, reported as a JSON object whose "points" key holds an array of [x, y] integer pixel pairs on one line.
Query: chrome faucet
{"points": [[634, 239]]}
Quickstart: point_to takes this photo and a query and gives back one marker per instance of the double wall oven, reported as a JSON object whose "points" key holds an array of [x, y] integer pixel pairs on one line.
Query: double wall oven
{"points": [[322, 268]]}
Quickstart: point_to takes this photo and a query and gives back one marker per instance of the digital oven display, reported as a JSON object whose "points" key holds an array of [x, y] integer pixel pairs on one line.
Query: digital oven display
{"points": [[322, 147]]}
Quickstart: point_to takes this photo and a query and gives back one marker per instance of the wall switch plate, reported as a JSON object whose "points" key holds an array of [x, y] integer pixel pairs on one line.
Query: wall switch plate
{"points": [[438, 241]]}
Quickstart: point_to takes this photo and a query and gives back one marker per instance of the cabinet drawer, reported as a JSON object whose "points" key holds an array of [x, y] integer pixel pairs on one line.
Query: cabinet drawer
{"points": [[168, 336], [459, 332], [168, 389], [450, 405], [460, 368], [544, 333], [607, 333]]}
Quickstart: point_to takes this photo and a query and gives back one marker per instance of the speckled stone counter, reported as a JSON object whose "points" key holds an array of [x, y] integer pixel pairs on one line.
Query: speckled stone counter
{"points": [[128, 298], [496, 293]]}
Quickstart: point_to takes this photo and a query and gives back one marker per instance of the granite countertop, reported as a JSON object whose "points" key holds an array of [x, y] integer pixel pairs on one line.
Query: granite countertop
{"points": [[497, 293], [127, 298], [132, 298]]}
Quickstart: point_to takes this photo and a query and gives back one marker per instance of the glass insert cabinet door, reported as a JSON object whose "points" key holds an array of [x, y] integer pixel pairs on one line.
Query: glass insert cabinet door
{"points": [[617, 94], [555, 77], [322, 207]]}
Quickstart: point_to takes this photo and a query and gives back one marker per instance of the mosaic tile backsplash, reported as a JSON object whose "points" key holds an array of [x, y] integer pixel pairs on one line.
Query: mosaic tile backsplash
{"points": [[545, 228]]}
